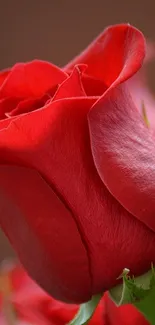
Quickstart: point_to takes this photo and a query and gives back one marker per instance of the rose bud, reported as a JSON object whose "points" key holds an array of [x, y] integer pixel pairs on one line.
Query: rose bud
{"points": [[77, 197]]}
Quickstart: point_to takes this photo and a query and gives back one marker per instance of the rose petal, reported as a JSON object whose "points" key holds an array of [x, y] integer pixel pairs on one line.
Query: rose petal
{"points": [[117, 52], [92, 86], [72, 86], [7, 105], [124, 153], [29, 105], [38, 224], [31, 79]]}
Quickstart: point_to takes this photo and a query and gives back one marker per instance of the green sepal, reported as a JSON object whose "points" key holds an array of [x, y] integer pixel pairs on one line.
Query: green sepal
{"points": [[138, 291], [86, 311]]}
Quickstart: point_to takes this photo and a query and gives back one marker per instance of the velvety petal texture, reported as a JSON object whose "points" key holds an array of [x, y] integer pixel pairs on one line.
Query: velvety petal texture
{"points": [[124, 153], [38, 228], [76, 168]]}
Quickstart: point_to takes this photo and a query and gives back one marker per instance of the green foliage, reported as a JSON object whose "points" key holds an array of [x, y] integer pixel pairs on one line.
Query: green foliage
{"points": [[138, 291], [86, 311]]}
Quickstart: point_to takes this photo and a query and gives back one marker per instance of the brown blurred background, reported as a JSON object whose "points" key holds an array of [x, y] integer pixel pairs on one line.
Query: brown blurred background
{"points": [[56, 30]]}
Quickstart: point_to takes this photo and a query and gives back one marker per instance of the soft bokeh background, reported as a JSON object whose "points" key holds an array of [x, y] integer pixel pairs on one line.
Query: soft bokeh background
{"points": [[56, 30]]}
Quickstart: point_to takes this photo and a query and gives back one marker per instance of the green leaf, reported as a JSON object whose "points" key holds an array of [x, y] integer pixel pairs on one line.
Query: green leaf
{"points": [[86, 311], [138, 291]]}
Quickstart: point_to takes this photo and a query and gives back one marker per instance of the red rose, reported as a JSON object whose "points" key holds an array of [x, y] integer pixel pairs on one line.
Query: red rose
{"points": [[77, 168]]}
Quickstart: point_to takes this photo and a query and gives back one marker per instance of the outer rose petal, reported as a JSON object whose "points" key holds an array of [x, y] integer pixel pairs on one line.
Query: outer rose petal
{"points": [[116, 53], [59, 148], [31, 79], [139, 88], [123, 315], [124, 153], [44, 234]]}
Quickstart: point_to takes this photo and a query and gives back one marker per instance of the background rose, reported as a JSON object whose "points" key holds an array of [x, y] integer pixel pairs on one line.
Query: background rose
{"points": [[71, 234]]}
